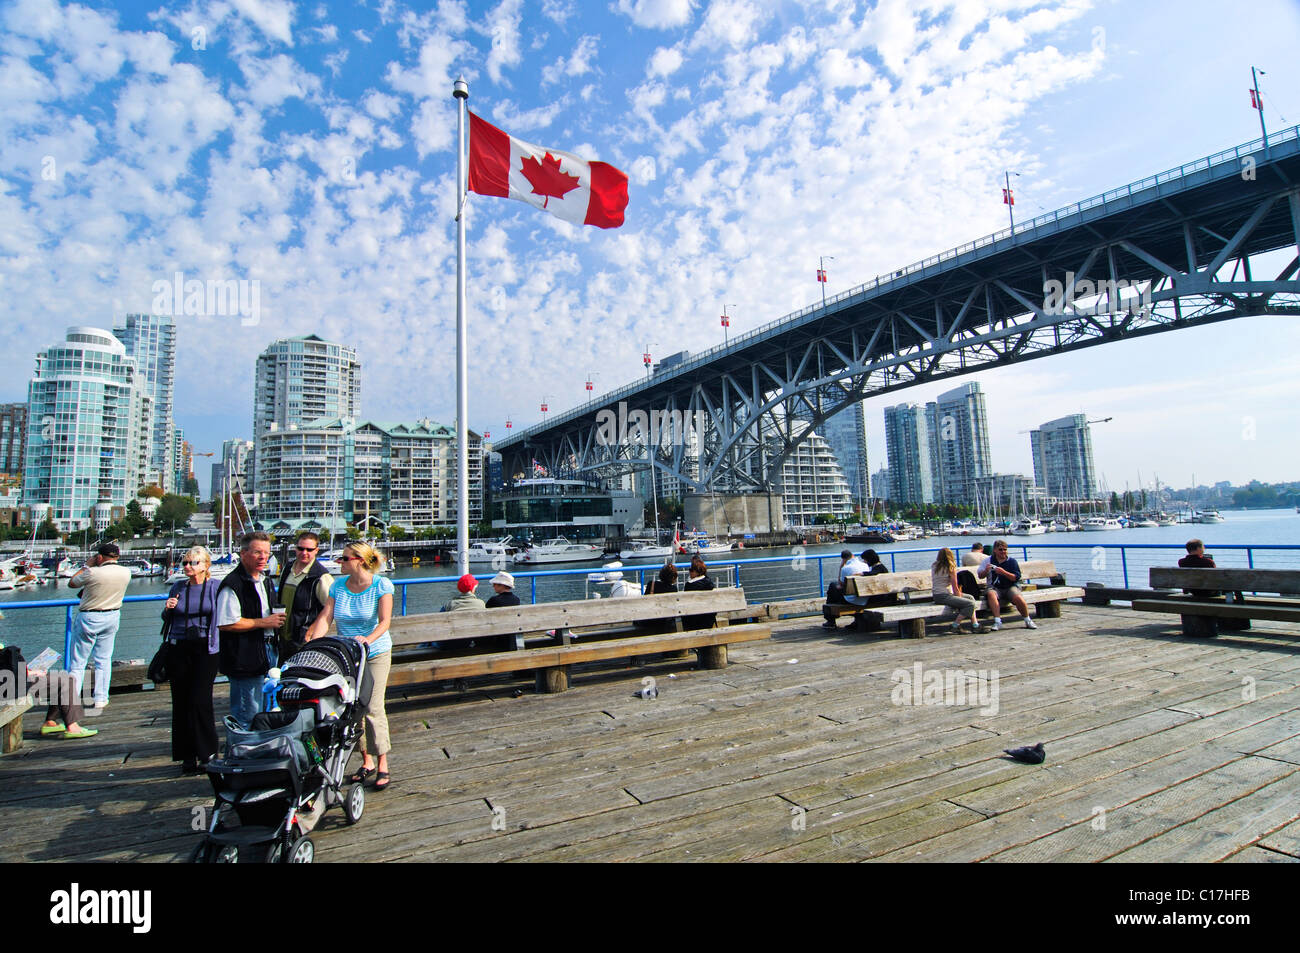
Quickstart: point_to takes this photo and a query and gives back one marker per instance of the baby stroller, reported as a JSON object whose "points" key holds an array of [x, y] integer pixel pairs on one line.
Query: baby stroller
{"points": [[277, 779]]}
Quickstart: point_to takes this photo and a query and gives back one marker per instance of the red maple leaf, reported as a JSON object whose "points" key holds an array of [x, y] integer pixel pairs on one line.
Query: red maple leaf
{"points": [[546, 178]]}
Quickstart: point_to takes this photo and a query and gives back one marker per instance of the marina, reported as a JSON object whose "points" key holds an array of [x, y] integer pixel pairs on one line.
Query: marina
{"points": [[798, 751]]}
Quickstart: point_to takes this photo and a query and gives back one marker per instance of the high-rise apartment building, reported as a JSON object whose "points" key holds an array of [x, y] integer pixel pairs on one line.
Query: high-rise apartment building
{"points": [[959, 443], [235, 457], [85, 407], [846, 433], [300, 380], [907, 444], [1063, 464], [13, 440], [304, 379], [150, 341]]}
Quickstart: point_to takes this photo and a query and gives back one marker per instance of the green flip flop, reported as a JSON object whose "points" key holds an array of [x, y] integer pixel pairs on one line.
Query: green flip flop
{"points": [[81, 733], [53, 729]]}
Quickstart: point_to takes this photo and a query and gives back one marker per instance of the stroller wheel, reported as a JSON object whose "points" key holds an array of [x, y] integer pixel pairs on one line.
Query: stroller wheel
{"points": [[223, 854], [354, 803], [202, 853], [303, 851]]}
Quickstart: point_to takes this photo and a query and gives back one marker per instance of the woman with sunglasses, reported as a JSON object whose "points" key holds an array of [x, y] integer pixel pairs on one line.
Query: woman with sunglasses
{"points": [[190, 622], [361, 606]]}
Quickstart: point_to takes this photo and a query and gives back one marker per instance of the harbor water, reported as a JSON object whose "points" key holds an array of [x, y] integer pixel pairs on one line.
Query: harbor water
{"points": [[1114, 558]]}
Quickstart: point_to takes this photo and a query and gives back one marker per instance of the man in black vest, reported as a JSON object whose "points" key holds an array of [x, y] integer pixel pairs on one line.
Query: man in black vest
{"points": [[248, 625], [304, 587]]}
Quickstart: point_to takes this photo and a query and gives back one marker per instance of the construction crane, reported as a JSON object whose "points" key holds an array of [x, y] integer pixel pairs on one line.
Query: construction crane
{"points": [[1100, 420]]}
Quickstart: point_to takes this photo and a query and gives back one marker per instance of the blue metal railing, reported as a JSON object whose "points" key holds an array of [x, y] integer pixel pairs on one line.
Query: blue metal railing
{"points": [[780, 578]]}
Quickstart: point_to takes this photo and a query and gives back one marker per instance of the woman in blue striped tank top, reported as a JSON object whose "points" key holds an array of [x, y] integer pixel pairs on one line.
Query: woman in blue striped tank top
{"points": [[361, 606]]}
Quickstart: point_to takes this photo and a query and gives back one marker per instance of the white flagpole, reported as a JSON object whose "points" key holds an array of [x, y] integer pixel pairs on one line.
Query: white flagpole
{"points": [[460, 90]]}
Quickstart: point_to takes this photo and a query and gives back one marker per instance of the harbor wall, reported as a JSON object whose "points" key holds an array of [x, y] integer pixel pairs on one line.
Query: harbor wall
{"points": [[735, 514]]}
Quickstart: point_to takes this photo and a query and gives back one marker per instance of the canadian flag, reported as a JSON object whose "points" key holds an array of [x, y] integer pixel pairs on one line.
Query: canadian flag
{"points": [[578, 191], [1255, 101], [1008, 198], [821, 275]]}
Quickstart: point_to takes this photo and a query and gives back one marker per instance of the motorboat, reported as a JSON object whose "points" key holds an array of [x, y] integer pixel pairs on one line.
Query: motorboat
{"points": [[1028, 527], [645, 549], [140, 568], [1142, 521], [1207, 516], [558, 550], [494, 551], [1102, 523], [1166, 519]]}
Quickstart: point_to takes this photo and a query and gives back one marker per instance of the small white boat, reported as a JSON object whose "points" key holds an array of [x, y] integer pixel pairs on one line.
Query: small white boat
{"points": [[1102, 523], [491, 550], [1207, 516], [1165, 519], [644, 549], [1142, 521], [558, 550], [140, 568], [1028, 527]]}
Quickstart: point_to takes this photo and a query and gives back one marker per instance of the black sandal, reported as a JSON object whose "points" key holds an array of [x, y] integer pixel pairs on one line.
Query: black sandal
{"points": [[382, 780], [360, 774]]}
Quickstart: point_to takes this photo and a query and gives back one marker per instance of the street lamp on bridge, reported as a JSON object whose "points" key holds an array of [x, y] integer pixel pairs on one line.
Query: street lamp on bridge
{"points": [[821, 274]]}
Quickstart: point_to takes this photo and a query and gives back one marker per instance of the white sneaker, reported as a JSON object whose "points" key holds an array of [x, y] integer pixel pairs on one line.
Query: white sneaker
{"points": [[1030, 624], [997, 624]]}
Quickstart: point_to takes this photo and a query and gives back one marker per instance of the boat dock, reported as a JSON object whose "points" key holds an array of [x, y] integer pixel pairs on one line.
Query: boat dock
{"points": [[1159, 748]]}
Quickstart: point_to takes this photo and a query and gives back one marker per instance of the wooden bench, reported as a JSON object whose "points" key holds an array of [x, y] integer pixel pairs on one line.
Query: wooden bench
{"points": [[551, 636], [914, 587], [1202, 616], [11, 723]]}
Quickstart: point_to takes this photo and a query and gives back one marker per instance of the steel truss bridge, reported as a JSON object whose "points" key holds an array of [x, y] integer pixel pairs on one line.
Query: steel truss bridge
{"points": [[1175, 250]]}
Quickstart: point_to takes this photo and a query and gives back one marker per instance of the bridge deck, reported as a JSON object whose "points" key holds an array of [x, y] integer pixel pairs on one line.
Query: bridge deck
{"points": [[1155, 751]]}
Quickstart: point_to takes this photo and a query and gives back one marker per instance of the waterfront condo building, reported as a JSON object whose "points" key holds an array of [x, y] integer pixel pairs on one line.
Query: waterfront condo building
{"points": [[300, 380], [813, 484], [334, 471], [150, 341], [958, 432], [86, 408], [907, 444], [846, 432], [13, 441], [1063, 465]]}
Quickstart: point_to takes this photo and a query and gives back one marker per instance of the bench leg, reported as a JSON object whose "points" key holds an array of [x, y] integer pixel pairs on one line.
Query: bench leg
{"points": [[713, 656], [552, 681], [868, 621], [911, 629], [1234, 625], [1049, 610], [1200, 626], [12, 736]]}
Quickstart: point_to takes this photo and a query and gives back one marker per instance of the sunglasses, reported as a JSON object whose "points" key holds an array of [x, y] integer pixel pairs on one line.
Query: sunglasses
{"points": [[196, 562], [344, 559], [305, 549]]}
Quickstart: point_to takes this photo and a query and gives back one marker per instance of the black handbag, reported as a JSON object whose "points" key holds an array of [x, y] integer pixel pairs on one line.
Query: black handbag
{"points": [[158, 673]]}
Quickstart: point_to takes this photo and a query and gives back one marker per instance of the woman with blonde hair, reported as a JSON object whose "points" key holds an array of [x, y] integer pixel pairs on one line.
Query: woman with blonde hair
{"points": [[945, 589], [193, 641], [361, 606]]}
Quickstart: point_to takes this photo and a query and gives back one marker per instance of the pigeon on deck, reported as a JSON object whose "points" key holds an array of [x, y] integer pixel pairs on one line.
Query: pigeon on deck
{"points": [[1034, 755]]}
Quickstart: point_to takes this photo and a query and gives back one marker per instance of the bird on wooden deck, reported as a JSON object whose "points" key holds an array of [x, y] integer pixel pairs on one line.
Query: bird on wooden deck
{"points": [[1034, 755]]}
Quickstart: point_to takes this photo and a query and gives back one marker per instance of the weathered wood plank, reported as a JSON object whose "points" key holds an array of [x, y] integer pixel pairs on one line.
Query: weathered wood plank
{"points": [[1281, 581]]}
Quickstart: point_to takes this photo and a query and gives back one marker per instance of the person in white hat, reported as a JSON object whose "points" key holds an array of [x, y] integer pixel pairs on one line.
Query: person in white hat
{"points": [[620, 588], [503, 584]]}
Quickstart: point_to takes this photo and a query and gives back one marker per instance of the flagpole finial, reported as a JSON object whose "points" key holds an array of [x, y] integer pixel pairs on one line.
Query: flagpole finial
{"points": [[460, 89]]}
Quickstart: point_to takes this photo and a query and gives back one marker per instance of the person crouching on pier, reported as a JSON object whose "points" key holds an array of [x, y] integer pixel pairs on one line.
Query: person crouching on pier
{"points": [[1003, 573], [946, 591]]}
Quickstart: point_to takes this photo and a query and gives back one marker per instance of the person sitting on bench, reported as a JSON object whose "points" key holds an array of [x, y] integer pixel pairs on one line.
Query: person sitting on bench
{"points": [[1005, 573]]}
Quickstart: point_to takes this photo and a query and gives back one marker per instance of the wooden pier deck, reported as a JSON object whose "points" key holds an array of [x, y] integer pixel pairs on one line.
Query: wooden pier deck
{"points": [[1159, 748]]}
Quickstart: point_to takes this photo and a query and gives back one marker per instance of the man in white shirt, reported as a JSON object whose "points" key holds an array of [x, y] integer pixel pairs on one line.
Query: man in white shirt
{"points": [[249, 629], [94, 629]]}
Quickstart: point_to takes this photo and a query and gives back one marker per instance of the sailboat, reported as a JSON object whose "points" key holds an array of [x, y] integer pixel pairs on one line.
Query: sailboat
{"points": [[649, 549]]}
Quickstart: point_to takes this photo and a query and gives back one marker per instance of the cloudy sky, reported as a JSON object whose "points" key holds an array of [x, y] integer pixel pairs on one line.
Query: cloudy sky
{"points": [[310, 147]]}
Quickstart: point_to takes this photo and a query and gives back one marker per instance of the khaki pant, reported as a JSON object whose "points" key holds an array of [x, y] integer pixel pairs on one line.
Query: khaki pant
{"points": [[964, 606], [375, 742]]}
